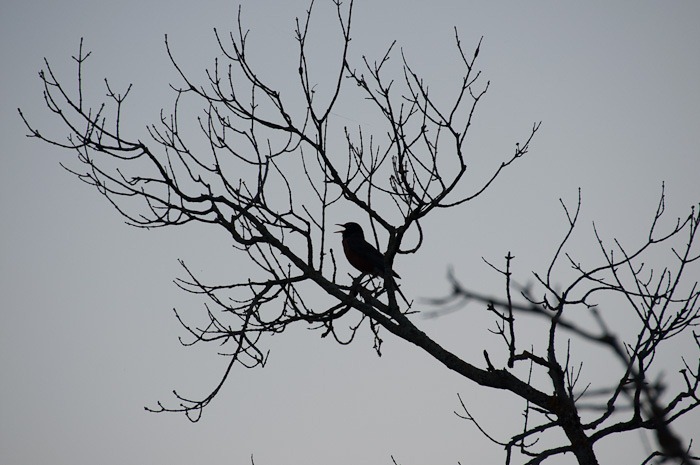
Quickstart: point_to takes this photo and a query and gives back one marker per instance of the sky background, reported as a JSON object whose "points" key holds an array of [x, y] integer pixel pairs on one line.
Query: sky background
{"points": [[87, 334]]}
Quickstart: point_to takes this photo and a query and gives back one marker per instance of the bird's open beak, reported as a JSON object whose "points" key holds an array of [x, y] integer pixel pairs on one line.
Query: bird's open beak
{"points": [[342, 226]]}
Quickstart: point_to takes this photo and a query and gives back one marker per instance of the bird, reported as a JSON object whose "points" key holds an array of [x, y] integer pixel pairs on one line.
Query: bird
{"points": [[360, 253]]}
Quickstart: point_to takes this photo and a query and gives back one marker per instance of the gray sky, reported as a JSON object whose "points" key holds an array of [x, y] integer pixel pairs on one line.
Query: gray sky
{"points": [[87, 334]]}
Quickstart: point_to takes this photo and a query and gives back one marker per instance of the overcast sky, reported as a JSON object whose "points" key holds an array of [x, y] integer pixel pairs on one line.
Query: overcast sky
{"points": [[87, 334]]}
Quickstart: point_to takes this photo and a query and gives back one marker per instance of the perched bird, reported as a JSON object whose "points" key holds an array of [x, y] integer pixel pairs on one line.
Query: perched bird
{"points": [[360, 253]]}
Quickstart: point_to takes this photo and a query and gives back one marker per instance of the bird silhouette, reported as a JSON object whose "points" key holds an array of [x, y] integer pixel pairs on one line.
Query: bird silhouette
{"points": [[360, 253]]}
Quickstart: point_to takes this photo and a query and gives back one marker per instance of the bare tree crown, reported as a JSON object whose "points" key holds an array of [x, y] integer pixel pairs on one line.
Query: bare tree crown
{"points": [[271, 175]]}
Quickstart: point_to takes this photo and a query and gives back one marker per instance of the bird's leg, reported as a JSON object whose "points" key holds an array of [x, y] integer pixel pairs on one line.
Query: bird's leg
{"points": [[356, 284]]}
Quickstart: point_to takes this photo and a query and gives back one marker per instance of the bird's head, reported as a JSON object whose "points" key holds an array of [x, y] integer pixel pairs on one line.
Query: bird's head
{"points": [[351, 229]]}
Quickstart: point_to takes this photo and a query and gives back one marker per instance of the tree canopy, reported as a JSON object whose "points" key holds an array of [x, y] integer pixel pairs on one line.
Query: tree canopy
{"points": [[265, 167]]}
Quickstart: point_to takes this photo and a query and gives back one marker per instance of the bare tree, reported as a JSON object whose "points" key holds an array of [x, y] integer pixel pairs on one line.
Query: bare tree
{"points": [[662, 305], [269, 172]]}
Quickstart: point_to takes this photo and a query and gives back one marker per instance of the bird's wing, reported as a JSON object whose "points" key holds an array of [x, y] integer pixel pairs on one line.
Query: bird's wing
{"points": [[377, 259], [373, 254]]}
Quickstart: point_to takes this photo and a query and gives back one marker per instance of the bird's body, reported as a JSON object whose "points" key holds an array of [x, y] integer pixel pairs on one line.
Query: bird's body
{"points": [[360, 253]]}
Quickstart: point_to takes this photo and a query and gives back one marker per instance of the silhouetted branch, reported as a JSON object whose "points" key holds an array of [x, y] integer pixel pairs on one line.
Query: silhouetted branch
{"points": [[270, 172], [632, 401]]}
